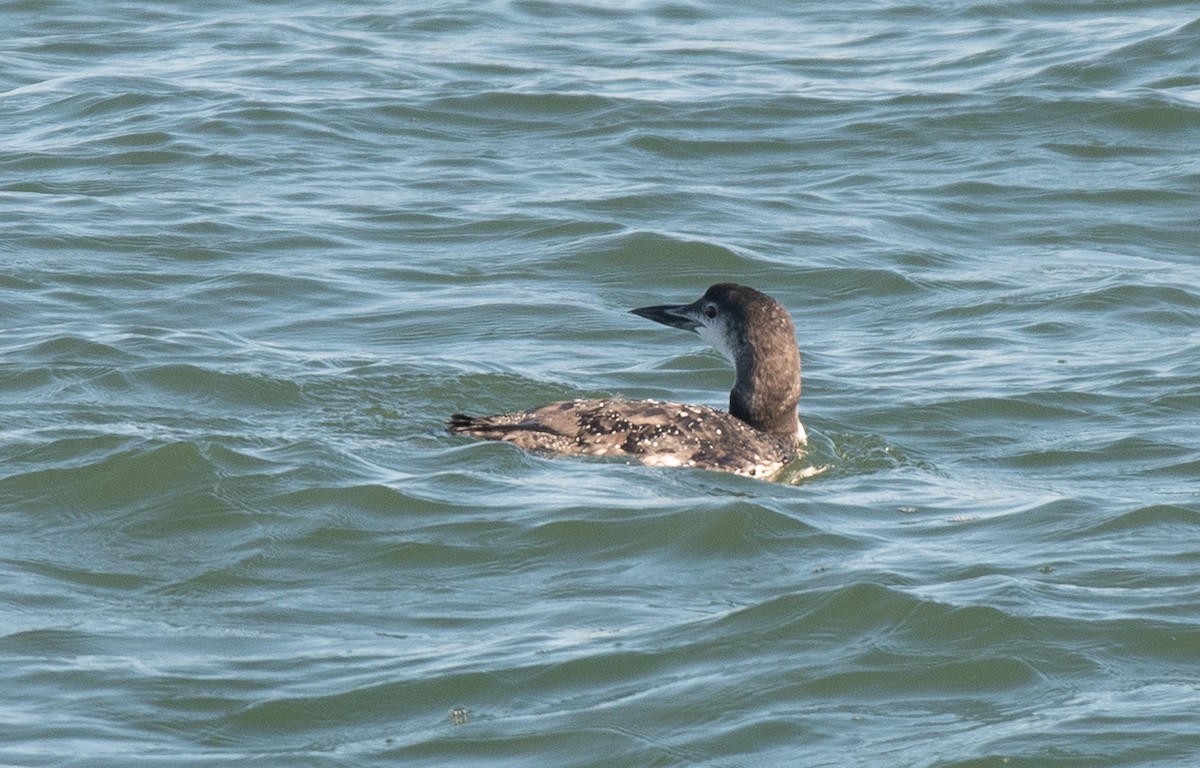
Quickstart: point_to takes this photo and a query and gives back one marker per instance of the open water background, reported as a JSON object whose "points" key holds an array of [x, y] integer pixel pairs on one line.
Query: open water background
{"points": [[254, 253]]}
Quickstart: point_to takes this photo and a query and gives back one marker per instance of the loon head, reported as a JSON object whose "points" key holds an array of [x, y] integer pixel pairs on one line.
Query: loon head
{"points": [[755, 333]]}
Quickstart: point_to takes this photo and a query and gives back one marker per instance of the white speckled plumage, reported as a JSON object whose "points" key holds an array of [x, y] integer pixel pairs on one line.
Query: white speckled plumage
{"points": [[757, 437]]}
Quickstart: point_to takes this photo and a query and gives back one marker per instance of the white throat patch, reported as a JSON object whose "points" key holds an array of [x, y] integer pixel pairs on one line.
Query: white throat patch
{"points": [[717, 334]]}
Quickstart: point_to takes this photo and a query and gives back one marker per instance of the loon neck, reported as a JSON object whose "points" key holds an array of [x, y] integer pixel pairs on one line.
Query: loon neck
{"points": [[767, 391], [766, 416]]}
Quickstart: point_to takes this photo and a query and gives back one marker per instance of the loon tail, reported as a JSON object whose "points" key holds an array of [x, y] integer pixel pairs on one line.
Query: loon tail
{"points": [[460, 422], [495, 427]]}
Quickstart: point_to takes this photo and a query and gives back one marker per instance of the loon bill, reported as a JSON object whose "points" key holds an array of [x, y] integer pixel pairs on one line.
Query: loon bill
{"points": [[757, 437]]}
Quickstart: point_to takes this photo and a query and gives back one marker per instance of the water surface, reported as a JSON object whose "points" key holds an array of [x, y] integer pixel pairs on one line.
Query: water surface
{"points": [[253, 255]]}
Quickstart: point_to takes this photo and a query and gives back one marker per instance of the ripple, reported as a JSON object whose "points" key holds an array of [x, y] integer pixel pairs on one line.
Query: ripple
{"points": [[251, 263]]}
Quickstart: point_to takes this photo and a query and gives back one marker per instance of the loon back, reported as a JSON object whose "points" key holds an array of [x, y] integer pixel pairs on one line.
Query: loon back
{"points": [[655, 433], [760, 434]]}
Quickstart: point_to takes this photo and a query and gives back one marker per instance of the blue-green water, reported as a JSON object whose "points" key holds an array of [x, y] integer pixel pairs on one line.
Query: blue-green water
{"points": [[254, 254]]}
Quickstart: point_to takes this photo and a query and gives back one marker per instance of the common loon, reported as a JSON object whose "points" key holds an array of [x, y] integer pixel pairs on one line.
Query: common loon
{"points": [[757, 437]]}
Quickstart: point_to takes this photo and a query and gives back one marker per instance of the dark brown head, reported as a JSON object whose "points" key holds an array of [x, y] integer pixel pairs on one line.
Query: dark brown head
{"points": [[756, 334]]}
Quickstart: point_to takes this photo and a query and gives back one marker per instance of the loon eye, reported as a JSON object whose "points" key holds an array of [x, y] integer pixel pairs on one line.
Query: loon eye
{"points": [[710, 311]]}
